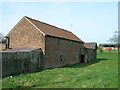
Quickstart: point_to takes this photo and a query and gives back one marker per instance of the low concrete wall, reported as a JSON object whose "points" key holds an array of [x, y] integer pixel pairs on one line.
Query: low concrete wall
{"points": [[14, 63]]}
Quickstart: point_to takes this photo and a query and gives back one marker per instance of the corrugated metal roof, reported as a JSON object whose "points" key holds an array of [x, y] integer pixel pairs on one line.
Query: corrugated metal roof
{"points": [[54, 31], [21, 50]]}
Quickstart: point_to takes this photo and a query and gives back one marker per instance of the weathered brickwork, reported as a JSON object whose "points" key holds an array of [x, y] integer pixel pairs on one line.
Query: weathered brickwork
{"points": [[56, 51], [25, 35], [56, 47]]}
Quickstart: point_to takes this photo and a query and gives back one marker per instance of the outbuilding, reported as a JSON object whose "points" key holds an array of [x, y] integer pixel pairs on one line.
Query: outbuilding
{"points": [[60, 47]]}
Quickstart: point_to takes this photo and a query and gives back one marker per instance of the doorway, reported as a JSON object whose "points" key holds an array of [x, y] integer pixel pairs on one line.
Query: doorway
{"points": [[82, 58]]}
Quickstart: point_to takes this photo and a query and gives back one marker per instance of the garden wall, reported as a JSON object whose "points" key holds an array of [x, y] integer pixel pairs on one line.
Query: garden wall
{"points": [[14, 63]]}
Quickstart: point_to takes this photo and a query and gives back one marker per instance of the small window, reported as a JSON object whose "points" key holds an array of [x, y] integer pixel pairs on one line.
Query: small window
{"points": [[58, 41], [61, 58]]}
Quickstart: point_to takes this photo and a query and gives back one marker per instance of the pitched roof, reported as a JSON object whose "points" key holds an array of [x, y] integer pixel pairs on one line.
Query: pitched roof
{"points": [[93, 45], [86, 45], [54, 31]]}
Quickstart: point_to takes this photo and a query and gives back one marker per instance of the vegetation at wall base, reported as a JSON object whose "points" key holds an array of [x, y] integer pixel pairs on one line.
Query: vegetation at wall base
{"points": [[102, 73]]}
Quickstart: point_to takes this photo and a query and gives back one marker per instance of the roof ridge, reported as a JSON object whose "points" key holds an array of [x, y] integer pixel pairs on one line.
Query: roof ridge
{"points": [[55, 31], [46, 23]]}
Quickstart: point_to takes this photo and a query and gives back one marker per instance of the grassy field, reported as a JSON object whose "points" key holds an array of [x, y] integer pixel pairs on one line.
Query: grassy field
{"points": [[102, 73]]}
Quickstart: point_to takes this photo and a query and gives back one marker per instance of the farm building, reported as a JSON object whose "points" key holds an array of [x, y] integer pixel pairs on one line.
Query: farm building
{"points": [[59, 47], [109, 46], [91, 51]]}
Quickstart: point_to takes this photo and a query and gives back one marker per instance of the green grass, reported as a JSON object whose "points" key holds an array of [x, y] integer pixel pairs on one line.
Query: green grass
{"points": [[0, 83], [102, 73]]}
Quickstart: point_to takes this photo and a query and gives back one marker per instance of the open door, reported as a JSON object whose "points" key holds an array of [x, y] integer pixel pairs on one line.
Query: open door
{"points": [[82, 58]]}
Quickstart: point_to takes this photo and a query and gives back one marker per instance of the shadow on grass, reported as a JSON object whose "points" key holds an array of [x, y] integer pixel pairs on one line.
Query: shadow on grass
{"points": [[81, 65], [78, 65], [101, 59]]}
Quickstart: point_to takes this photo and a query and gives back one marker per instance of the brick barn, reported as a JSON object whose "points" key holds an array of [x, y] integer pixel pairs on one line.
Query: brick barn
{"points": [[90, 51], [60, 47]]}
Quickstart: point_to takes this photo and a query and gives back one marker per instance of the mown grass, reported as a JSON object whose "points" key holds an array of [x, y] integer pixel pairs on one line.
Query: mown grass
{"points": [[102, 73], [0, 83]]}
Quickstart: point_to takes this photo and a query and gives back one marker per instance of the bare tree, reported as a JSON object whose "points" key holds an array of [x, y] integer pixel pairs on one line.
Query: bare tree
{"points": [[115, 39], [1, 35]]}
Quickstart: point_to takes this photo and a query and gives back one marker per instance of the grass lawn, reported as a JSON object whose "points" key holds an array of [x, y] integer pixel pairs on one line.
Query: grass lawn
{"points": [[102, 73]]}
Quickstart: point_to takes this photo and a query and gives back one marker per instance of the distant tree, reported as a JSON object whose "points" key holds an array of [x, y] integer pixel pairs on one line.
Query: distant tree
{"points": [[100, 48], [1, 35], [115, 39]]}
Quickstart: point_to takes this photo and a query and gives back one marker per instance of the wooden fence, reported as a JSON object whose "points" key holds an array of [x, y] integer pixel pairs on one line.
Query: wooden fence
{"points": [[14, 63]]}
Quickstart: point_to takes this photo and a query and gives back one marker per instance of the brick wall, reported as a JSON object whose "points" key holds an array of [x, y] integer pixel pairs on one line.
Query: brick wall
{"points": [[25, 35], [56, 48]]}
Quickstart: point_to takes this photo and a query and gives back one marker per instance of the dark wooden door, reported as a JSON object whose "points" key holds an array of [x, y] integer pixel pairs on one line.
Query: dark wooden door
{"points": [[82, 58]]}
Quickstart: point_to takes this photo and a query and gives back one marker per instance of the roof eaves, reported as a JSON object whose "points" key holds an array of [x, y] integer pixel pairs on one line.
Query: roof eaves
{"points": [[77, 37], [64, 38]]}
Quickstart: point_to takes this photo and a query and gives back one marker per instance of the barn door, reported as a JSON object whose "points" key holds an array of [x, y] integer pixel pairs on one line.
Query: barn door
{"points": [[82, 58]]}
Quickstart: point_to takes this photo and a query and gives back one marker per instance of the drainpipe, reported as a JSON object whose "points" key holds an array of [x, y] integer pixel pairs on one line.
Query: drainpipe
{"points": [[7, 42]]}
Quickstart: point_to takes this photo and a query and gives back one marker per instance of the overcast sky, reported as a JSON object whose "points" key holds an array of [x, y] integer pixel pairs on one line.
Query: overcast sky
{"points": [[90, 21]]}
